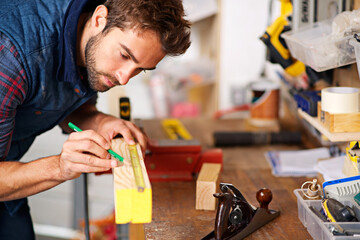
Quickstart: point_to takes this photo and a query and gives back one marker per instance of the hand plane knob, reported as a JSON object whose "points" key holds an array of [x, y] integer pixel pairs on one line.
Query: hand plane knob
{"points": [[264, 197]]}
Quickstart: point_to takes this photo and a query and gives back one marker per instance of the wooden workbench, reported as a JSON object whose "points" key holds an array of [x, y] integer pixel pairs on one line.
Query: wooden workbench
{"points": [[174, 214]]}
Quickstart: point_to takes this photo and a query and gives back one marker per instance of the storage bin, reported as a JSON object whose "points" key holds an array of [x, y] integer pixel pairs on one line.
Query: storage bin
{"points": [[317, 48], [318, 229]]}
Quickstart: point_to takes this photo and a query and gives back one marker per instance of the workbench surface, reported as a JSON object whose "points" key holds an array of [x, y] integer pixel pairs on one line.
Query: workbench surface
{"points": [[174, 214]]}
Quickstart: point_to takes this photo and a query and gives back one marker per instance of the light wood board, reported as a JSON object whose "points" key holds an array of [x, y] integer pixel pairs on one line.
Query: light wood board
{"points": [[206, 185], [349, 168], [339, 122], [131, 206], [333, 137]]}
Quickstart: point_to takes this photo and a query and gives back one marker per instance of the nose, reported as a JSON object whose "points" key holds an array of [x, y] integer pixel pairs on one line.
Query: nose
{"points": [[122, 76]]}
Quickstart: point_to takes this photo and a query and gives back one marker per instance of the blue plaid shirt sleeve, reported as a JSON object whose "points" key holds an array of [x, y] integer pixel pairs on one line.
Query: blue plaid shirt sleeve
{"points": [[12, 91]]}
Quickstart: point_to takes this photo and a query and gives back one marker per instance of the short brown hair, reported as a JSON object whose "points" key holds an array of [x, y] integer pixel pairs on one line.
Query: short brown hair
{"points": [[164, 17]]}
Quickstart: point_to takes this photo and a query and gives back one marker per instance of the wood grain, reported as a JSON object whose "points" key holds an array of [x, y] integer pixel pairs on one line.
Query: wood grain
{"points": [[206, 185], [334, 137], [130, 204], [174, 214], [350, 168], [339, 123]]}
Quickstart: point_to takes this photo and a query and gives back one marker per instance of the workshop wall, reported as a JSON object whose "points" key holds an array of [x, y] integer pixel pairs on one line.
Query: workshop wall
{"points": [[242, 54], [229, 38]]}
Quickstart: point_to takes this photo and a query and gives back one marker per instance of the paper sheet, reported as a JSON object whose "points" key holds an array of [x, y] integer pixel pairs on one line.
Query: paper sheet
{"points": [[301, 161], [331, 169], [295, 163]]}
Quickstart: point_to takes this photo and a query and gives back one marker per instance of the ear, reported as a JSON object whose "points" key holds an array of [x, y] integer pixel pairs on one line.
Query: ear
{"points": [[99, 18]]}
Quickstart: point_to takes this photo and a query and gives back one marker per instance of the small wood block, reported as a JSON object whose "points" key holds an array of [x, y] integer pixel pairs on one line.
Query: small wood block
{"points": [[206, 185], [130, 205], [338, 123], [349, 168]]}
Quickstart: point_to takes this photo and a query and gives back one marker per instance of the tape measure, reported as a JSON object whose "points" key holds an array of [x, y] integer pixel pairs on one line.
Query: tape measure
{"points": [[175, 129], [135, 161], [125, 108]]}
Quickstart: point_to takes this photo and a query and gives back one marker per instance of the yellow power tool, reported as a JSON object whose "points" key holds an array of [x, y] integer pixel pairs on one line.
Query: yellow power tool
{"points": [[278, 51]]}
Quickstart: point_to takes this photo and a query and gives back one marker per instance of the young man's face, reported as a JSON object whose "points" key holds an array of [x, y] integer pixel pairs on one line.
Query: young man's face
{"points": [[120, 55]]}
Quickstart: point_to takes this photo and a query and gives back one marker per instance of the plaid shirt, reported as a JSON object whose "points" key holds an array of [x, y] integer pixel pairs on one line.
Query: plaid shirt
{"points": [[13, 87]]}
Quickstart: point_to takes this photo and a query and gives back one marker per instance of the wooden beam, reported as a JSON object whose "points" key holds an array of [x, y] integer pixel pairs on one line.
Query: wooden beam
{"points": [[334, 137], [206, 185], [131, 206]]}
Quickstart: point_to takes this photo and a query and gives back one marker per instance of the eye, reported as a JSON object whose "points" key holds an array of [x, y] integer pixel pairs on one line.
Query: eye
{"points": [[126, 57]]}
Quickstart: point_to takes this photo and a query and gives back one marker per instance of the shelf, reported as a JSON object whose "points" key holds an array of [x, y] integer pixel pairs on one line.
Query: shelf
{"points": [[197, 10], [333, 137]]}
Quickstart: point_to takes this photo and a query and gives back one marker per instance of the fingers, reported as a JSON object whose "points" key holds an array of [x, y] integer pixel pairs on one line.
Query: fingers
{"points": [[130, 131], [85, 151], [88, 160], [91, 135], [142, 139]]}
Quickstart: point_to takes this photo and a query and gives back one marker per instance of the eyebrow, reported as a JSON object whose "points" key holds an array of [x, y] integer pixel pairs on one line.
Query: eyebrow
{"points": [[133, 57]]}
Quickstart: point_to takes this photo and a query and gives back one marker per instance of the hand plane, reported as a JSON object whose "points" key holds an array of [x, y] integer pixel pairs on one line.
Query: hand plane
{"points": [[235, 217]]}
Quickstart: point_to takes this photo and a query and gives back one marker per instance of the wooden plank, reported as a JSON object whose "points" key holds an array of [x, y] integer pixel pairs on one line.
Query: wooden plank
{"points": [[334, 137], [344, 122], [136, 232], [206, 185], [130, 205], [339, 123], [349, 168]]}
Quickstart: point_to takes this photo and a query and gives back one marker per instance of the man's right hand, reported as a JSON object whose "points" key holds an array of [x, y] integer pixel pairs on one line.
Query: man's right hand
{"points": [[85, 151]]}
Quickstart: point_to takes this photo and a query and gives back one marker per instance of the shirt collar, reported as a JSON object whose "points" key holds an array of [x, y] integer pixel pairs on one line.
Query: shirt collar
{"points": [[68, 70]]}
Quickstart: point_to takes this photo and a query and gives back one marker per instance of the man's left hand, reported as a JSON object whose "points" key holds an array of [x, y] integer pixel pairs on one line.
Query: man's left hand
{"points": [[111, 126]]}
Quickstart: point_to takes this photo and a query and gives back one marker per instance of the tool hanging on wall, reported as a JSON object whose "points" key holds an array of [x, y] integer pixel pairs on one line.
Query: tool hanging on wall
{"points": [[236, 218], [278, 51]]}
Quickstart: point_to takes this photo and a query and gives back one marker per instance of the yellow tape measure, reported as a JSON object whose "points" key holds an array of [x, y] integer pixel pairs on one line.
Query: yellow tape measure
{"points": [[175, 129], [135, 161]]}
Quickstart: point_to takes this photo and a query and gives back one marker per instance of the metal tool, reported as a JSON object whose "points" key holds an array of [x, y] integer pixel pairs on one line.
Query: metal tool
{"points": [[311, 189], [335, 211], [125, 108], [236, 218], [135, 162], [175, 129], [86, 207], [177, 160], [278, 51]]}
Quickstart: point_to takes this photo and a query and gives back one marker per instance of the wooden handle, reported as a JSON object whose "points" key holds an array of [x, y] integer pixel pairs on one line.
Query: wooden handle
{"points": [[264, 197]]}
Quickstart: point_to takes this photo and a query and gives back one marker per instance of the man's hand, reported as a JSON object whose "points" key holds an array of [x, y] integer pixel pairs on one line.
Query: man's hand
{"points": [[110, 126], [85, 151], [88, 117]]}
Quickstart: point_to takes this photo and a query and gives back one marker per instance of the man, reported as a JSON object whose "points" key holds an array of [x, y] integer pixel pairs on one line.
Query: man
{"points": [[54, 56]]}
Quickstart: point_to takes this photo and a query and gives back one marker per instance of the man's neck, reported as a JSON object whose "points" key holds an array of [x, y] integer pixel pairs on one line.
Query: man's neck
{"points": [[81, 39]]}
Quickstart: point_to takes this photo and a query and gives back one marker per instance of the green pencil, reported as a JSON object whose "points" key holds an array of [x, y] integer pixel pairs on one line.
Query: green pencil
{"points": [[114, 154]]}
